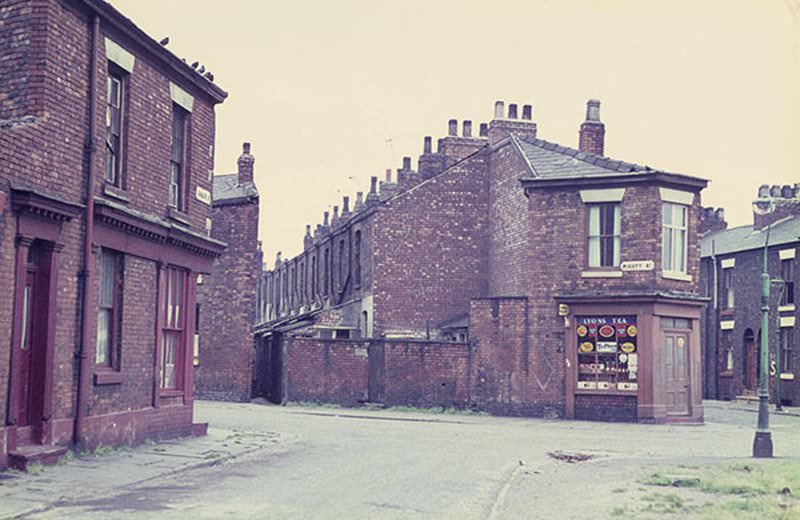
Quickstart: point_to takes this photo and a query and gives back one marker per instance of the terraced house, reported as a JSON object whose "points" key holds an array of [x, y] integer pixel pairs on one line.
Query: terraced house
{"points": [[505, 273], [106, 152]]}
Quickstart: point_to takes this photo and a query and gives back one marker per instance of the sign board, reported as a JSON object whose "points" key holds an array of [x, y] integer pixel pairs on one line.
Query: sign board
{"points": [[203, 195], [637, 265]]}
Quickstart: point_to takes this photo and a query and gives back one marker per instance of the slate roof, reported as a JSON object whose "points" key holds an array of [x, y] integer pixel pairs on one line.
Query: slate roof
{"points": [[226, 188], [552, 160], [744, 238]]}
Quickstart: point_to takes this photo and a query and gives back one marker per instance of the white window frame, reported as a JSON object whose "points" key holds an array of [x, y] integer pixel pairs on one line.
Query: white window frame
{"points": [[672, 265], [595, 236]]}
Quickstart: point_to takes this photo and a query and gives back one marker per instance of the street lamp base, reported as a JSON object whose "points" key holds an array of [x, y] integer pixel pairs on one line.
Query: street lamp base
{"points": [[762, 445]]}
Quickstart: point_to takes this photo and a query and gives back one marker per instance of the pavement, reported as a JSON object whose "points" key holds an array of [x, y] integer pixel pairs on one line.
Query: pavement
{"points": [[264, 461]]}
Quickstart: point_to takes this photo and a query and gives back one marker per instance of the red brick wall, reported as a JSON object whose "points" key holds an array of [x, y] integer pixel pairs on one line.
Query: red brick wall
{"points": [[227, 306], [508, 224], [615, 408], [426, 373], [430, 249], [332, 371]]}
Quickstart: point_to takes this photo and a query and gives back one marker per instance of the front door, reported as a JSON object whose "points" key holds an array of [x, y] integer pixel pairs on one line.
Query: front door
{"points": [[676, 352], [25, 345]]}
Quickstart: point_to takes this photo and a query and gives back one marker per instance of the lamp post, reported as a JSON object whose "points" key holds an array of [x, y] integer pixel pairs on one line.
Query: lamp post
{"points": [[762, 442]]}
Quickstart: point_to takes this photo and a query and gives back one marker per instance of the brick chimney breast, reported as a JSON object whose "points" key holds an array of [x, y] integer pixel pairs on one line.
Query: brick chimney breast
{"points": [[593, 131], [245, 163]]}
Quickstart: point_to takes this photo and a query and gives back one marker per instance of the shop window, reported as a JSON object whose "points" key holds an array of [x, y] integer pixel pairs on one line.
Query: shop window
{"points": [[109, 310], [674, 236], [607, 353], [787, 275], [727, 289], [174, 319], [604, 235], [177, 177], [116, 90], [787, 348]]}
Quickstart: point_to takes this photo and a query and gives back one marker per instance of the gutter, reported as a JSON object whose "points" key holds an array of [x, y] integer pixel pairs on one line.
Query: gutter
{"points": [[82, 394]]}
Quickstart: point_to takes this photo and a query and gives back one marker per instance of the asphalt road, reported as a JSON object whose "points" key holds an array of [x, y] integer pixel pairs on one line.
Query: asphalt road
{"points": [[381, 464]]}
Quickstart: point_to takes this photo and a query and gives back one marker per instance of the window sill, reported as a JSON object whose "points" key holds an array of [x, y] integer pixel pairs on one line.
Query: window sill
{"points": [[727, 312], [107, 377], [674, 275], [601, 274], [178, 216], [786, 308], [787, 376], [115, 193], [171, 392]]}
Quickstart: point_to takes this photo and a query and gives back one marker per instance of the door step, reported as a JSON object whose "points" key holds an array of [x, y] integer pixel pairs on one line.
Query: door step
{"points": [[23, 456]]}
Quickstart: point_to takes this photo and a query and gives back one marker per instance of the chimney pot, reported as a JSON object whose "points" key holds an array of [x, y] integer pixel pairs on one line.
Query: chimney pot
{"points": [[775, 191], [373, 184], [763, 191], [484, 130], [527, 112], [406, 163], [467, 125], [787, 192], [325, 219], [593, 110], [308, 230], [359, 199], [245, 147], [426, 146], [720, 214], [499, 109], [452, 127], [388, 175], [345, 204], [512, 110]]}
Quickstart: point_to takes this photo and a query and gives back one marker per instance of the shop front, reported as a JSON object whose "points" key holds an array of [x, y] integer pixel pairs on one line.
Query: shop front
{"points": [[633, 359]]}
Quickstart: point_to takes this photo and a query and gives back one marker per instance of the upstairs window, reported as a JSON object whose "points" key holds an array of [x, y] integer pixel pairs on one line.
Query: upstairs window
{"points": [[115, 95], [727, 289], [787, 275], [604, 235], [787, 348], [674, 237], [357, 258], [177, 176]]}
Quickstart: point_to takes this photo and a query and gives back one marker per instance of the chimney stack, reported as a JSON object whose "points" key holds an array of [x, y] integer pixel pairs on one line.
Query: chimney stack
{"points": [[452, 127], [504, 125], [372, 196], [593, 131], [245, 163], [308, 240], [429, 164]]}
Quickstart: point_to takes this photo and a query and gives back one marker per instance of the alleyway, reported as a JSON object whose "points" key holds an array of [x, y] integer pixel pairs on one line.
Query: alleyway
{"points": [[304, 462]]}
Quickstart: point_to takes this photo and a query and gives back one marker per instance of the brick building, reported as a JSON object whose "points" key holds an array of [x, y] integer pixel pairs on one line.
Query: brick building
{"points": [[106, 150], [732, 262], [505, 273], [227, 298]]}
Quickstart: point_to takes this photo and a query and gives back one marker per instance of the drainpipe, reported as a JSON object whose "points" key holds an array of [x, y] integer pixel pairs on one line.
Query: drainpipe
{"points": [[82, 395], [715, 326]]}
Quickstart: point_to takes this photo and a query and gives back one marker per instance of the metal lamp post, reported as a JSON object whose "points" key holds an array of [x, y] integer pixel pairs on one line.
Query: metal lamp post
{"points": [[762, 443]]}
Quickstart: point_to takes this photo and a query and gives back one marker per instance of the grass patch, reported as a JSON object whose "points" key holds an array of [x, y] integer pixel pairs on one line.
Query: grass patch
{"points": [[768, 489]]}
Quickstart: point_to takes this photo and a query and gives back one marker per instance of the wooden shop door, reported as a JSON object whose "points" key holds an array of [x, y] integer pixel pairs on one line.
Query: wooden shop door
{"points": [[676, 354]]}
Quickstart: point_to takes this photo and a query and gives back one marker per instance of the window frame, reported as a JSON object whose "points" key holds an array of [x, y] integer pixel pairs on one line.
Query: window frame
{"points": [[727, 289], [178, 169], [668, 259], [114, 176], [111, 308], [787, 275], [615, 237], [173, 325], [357, 258], [787, 349]]}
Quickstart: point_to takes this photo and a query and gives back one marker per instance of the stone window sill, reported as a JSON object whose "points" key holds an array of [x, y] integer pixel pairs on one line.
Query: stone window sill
{"points": [[601, 274], [107, 377], [178, 216], [786, 308], [674, 275], [115, 193]]}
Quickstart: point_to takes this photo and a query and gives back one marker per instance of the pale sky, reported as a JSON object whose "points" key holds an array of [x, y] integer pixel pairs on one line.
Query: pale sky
{"points": [[331, 93]]}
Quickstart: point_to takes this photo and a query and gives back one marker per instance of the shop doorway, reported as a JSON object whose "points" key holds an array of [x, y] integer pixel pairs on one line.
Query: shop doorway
{"points": [[750, 365], [676, 351]]}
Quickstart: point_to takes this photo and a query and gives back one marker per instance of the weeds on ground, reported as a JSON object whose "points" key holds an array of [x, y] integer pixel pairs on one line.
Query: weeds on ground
{"points": [[311, 404], [763, 489], [438, 410]]}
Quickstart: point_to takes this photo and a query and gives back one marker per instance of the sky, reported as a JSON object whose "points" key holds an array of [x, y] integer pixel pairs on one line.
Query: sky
{"points": [[332, 93]]}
